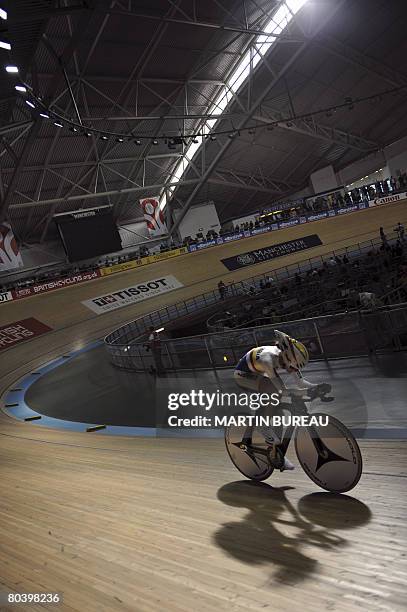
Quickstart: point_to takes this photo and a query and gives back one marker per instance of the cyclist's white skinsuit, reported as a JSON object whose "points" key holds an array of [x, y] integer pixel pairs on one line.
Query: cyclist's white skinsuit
{"points": [[263, 361], [260, 363]]}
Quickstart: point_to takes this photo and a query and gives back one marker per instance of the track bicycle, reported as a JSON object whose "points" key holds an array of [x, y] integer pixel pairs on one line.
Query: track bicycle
{"points": [[329, 455]]}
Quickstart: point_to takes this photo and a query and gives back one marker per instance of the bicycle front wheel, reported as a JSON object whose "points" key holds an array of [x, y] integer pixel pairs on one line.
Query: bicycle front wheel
{"points": [[239, 441], [329, 455]]}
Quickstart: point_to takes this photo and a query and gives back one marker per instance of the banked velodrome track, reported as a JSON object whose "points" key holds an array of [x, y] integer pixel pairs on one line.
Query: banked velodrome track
{"points": [[152, 524]]}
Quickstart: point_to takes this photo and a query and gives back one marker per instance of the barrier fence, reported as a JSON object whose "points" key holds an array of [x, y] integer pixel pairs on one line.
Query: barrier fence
{"points": [[341, 335], [134, 330]]}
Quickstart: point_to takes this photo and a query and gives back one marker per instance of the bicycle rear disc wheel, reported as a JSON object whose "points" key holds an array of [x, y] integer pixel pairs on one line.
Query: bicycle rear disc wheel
{"points": [[249, 463], [334, 462]]}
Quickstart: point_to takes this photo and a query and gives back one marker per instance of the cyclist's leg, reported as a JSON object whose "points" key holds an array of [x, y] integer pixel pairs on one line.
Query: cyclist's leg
{"points": [[247, 380], [274, 434], [271, 434]]}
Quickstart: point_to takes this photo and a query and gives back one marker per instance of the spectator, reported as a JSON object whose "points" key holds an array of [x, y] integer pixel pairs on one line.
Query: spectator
{"points": [[368, 299], [267, 309], [222, 289], [154, 344], [399, 229], [383, 237]]}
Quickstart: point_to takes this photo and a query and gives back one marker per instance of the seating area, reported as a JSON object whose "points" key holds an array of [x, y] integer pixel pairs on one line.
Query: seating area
{"points": [[340, 283], [285, 213]]}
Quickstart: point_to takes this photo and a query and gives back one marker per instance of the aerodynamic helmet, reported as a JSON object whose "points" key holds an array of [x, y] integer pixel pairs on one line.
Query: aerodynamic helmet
{"points": [[294, 353]]}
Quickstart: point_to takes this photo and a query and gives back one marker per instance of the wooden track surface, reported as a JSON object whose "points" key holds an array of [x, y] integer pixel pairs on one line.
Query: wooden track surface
{"points": [[154, 525]]}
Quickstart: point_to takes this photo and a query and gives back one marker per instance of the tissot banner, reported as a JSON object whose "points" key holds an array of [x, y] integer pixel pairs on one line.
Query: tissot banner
{"points": [[6, 296], [133, 294], [10, 256], [154, 216], [271, 252]]}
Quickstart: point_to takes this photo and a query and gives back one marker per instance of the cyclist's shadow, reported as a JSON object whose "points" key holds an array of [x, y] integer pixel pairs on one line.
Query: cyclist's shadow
{"points": [[257, 540]]}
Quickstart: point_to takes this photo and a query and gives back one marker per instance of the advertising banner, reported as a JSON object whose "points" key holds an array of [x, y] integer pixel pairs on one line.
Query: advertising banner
{"points": [[388, 199], [58, 283], [348, 209], [129, 265], [10, 256], [232, 237], [13, 333], [122, 267], [205, 245], [154, 216], [259, 230], [317, 216], [133, 294], [6, 296], [272, 252], [290, 223]]}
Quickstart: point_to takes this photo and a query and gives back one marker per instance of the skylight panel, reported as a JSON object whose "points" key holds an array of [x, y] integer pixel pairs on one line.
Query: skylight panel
{"points": [[239, 76]]}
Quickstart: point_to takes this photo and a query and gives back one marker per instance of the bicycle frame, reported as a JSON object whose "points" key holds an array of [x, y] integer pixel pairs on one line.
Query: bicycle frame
{"points": [[297, 407]]}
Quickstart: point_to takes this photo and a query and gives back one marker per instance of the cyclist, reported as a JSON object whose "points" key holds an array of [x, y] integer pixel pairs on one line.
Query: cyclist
{"points": [[257, 371]]}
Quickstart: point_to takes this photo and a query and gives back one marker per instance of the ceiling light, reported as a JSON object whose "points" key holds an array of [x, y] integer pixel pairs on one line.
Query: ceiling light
{"points": [[30, 103], [73, 128], [11, 69], [155, 142], [44, 115], [119, 139], [58, 124], [213, 137], [87, 134], [5, 45], [231, 135], [21, 88], [3, 14], [103, 137], [138, 142]]}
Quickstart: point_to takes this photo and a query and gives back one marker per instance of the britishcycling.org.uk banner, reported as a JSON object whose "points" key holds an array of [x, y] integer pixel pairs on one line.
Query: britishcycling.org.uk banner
{"points": [[60, 283], [133, 294], [252, 258], [16, 332]]}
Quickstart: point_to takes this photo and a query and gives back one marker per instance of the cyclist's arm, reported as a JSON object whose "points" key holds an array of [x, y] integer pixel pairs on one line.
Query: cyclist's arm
{"points": [[270, 371], [295, 382]]}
